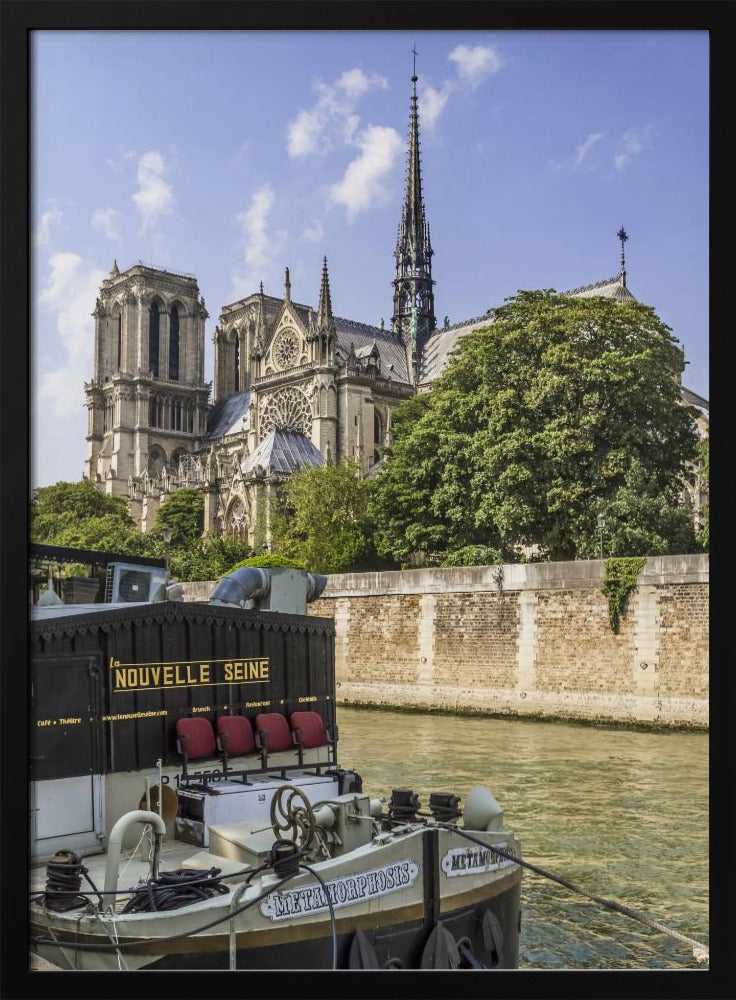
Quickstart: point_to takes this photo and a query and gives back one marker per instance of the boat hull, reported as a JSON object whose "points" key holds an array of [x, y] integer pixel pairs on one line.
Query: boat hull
{"points": [[416, 898], [362, 943]]}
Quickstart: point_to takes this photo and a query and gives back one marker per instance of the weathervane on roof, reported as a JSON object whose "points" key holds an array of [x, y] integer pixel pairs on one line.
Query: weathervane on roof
{"points": [[622, 235], [414, 50]]}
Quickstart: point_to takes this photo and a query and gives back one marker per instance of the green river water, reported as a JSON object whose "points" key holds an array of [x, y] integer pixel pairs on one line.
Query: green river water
{"points": [[623, 813]]}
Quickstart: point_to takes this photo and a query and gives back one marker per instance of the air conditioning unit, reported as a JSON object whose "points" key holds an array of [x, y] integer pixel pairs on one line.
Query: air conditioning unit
{"points": [[127, 582]]}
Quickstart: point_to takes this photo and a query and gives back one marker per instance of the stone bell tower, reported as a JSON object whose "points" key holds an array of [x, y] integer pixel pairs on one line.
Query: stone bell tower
{"points": [[147, 399]]}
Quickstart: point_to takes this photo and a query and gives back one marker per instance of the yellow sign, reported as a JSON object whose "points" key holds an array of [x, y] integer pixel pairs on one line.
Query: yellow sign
{"points": [[185, 674]]}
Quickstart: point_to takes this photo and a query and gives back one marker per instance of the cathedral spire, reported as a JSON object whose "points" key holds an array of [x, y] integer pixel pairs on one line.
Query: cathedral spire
{"points": [[324, 310], [623, 236], [325, 320], [413, 285], [287, 287]]}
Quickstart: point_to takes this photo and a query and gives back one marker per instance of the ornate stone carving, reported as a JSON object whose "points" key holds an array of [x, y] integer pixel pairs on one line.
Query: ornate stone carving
{"points": [[286, 408], [286, 350], [236, 519]]}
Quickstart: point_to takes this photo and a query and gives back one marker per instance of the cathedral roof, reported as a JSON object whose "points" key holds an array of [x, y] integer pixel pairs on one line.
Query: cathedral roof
{"points": [[283, 451], [362, 335], [694, 399], [609, 288], [442, 341], [227, 416], [440, 344]]}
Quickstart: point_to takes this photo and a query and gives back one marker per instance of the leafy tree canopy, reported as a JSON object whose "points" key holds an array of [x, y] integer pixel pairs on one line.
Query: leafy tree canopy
{"points": [[54, 508], [80, 516], [704, 456], [559, 409], [207, 558], [321, 519], [272, 560], [183, 512]]}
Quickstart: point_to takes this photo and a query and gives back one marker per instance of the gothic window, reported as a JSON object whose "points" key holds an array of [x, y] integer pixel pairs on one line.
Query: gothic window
{"points": [[285, 351], [288, 409], [154, 319], [377, 435], [235, 520], [236, 361], [156, 412], [156, 462], [120, 340], [174, 344]]}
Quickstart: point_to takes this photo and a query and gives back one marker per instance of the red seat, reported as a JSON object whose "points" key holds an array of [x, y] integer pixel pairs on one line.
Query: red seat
{"points": [[309, 729], [236, 735], [274, 732], [195, 739]]}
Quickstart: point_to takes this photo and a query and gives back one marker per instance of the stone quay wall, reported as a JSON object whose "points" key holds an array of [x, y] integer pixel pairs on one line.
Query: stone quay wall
{"points": [[529, 640]]}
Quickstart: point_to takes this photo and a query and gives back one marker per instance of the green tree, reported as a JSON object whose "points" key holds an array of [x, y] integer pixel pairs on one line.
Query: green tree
{"points": [[321, 519], [80, 516], [559, 409], [183, 512], [704, 456], [208, 558]]}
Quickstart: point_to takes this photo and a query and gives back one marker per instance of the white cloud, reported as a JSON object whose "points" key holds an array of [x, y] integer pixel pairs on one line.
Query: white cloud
{"points": [[584, 148], [155, 196], [50, 220], [261, 243], [105, 221], [355, 83], [361, 184], [432, 103], [305, 133], [69, 295], [633, 142], [332, 119], [313, 232], [475, 63]]}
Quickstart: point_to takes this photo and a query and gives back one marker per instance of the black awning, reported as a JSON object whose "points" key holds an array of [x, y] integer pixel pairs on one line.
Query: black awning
{"points": [[63, 554]]}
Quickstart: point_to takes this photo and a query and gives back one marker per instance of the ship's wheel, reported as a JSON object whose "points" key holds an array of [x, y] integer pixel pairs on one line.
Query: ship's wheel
{"points": [[292, 814]]}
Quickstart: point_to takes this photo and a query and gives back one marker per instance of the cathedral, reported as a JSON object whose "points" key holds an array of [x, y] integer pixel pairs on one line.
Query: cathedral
{"points": [[293, 386]]}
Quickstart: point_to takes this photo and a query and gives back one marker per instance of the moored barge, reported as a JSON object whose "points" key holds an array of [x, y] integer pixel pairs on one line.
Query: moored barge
{"points": [[208, 732]]}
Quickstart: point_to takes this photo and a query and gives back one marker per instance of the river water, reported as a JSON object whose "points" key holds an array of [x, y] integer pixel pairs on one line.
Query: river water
{"points": [[622, 813]]}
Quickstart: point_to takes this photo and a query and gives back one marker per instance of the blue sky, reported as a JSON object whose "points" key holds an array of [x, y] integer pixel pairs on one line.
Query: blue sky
{"points": [[230, 155]]}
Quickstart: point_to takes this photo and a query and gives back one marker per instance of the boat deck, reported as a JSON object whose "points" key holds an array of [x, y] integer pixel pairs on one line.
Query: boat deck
{"points": [[135, 864]]}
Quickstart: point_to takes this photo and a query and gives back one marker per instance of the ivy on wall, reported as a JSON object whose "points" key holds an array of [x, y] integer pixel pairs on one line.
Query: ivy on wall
{"points": [[620, 580]]}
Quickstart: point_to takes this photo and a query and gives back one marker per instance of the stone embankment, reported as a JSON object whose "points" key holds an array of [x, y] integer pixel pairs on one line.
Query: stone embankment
{"points": [[528, 640]]}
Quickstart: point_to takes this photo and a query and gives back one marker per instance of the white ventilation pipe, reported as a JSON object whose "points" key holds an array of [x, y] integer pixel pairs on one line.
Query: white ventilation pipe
{"points": [[115, 845]]}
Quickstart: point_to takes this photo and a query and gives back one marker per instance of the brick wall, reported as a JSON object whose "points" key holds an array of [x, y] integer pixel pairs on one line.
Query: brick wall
{"points": [[531, 640]]}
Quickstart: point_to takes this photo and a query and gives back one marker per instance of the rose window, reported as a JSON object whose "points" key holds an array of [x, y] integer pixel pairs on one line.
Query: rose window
{"points": [[286, 349], [288, 409]]}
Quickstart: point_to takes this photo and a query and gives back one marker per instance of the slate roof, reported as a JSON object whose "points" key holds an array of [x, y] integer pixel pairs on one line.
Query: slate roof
{"points": [[694, 399], [609, 288], [362, 335], [283, 451], [227, 416], [442, 341]]}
